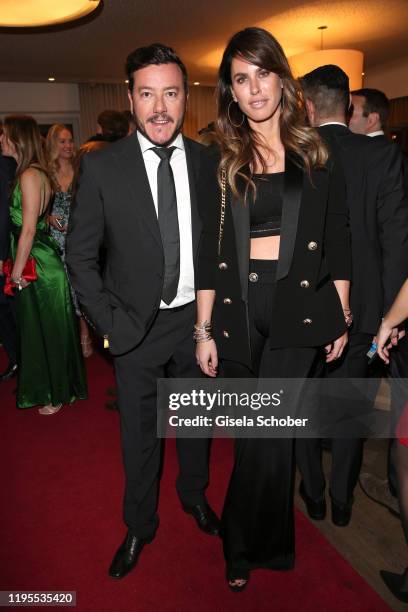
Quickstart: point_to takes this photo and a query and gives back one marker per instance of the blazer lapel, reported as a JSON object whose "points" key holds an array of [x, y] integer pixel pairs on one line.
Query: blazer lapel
{"points": [[240, 216], [193, 169], [131, 163], [292, 195]]}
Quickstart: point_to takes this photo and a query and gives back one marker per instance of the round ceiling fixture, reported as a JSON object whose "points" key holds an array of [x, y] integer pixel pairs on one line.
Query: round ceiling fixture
{"points": [[29, 14]]}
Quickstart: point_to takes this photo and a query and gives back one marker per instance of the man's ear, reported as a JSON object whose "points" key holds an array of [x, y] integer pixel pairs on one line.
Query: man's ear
{"points": [[130, 100], [373, 120]]}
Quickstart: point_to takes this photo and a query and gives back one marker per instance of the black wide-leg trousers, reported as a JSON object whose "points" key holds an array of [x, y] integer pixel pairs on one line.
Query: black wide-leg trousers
{"points": [[167, 351], [258, 515]]}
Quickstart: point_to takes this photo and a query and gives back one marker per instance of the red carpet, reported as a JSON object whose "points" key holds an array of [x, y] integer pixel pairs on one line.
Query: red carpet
{"points": [[61, 523]]}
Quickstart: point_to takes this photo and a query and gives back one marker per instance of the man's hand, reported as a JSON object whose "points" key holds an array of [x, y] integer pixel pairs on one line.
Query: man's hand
{"points": [[335, 349]]}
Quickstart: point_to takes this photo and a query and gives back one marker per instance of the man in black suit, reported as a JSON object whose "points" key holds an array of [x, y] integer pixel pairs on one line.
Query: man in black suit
{"points": [[7, 321], [371, 109], [379, 235], [137, 198]]}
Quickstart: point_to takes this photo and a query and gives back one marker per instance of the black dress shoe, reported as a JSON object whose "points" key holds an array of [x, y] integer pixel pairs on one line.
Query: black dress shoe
{"points": [[10, 372], [341, 513], [127, 555], [395, 583], [205, 518], [315, 509]]}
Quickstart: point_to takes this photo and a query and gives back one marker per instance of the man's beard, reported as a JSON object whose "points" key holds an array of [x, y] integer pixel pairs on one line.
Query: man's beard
{"points": [[176, 132]]}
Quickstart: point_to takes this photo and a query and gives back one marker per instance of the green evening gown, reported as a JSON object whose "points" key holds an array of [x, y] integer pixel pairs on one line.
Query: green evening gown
{"points": [[51, 368]]}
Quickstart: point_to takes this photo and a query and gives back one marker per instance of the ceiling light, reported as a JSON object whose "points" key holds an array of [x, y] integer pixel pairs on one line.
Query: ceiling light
{"points": [[28, 14], [51, 79], [349, 60], [127, 81], [196, 83]]}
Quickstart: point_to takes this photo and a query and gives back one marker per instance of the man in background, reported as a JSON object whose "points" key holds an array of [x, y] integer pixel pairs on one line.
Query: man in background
{"points": [[371, 109], [379, 234]]}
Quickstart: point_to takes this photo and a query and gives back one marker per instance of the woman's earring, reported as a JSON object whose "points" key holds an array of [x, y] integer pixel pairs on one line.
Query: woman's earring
{"points": [[229, 116], [282, 101]]}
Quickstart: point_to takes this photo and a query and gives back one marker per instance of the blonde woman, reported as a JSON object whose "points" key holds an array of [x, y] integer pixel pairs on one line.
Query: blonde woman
{"points": [[60, 152], [51, 371]]}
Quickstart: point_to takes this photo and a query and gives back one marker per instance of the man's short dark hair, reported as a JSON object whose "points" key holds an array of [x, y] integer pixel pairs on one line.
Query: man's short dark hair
{"points": [[328, 88], [114, 124], [154, 54], [375, 102]]}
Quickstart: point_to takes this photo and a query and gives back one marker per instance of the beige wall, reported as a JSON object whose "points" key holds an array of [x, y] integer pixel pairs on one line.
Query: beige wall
{"points": [[47, 102], [391, 78], [61, 102]]}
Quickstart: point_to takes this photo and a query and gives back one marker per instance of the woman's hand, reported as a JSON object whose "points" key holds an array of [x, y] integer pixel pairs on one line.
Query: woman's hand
{"points": [[207, 357], [56, 223], [387, 337], [335, 349], [381, 340]]}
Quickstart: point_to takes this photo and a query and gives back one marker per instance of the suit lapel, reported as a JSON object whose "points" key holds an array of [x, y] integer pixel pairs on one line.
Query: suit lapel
{"points": [[193, 169], [292, 195], [240, 216], [131, 164]]}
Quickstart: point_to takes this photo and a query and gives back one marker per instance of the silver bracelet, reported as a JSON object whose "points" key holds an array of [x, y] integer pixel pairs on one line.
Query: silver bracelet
{"points": [[202, 332], [18, 282]]}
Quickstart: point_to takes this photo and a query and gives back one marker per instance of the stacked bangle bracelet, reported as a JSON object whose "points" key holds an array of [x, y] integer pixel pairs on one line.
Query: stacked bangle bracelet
{"points": [[202, 332], [348, 316]]}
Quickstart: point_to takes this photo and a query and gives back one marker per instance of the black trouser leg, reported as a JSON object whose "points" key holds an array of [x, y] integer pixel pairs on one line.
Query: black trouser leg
{"points": [[346, 452], [165, 351]]}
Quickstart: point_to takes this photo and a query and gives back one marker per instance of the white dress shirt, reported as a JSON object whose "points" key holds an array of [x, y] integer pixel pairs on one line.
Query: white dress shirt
{"points": [[178, 162], [376, 133], [333, 123]]}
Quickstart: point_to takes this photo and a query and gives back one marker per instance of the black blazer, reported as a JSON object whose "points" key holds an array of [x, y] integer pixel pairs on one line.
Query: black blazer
{"points": [[378, 222], [314, 248], [114, 208]]}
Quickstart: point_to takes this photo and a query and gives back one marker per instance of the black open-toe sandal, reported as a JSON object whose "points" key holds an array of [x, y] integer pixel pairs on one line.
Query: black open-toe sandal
{"points": [[237, 579]]}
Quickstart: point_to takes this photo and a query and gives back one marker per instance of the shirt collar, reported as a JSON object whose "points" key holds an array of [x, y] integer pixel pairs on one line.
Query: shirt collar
{"points": [[145, 143], [333, 123], [377, 133]]}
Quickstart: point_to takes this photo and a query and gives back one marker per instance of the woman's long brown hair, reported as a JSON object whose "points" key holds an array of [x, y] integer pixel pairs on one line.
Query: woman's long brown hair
{"points": [[241, 146], [24, 133]]}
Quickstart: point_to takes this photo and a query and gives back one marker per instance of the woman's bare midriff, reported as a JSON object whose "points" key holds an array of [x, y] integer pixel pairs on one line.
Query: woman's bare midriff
{"points": [[265, 248]]}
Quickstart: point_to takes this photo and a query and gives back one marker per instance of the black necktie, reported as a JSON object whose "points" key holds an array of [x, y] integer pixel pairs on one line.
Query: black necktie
{"points": [[168, 223]]}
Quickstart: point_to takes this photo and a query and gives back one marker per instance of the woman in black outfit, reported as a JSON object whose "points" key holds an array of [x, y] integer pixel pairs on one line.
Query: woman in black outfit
{"points": [[273, 276]]}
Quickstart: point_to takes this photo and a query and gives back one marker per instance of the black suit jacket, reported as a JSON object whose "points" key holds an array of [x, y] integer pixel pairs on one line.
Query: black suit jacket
{"points": [[314, 248], [114, 208], [378, 213]]}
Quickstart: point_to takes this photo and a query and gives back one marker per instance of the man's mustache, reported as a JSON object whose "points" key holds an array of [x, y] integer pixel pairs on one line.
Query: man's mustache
{"points": [[161, 117]]}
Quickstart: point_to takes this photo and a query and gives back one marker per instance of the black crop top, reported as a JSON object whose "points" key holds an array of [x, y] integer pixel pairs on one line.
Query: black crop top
{"points": [[266, 211]]}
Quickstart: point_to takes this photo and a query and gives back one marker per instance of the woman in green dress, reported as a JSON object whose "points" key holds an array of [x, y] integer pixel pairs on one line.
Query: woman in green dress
{"points": [[51, 369]]}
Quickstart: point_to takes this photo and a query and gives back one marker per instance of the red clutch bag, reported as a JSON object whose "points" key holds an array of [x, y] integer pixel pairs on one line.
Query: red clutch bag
{"points": [[29, 274]]}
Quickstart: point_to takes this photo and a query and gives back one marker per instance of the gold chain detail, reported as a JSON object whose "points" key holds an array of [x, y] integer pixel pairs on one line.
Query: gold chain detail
{"points": [[223, 203]]}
